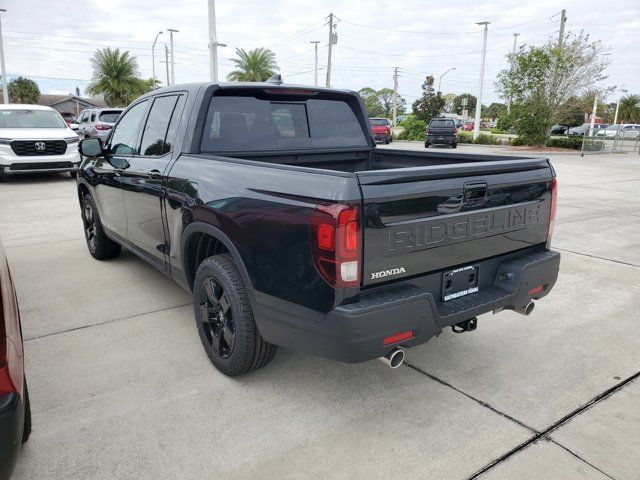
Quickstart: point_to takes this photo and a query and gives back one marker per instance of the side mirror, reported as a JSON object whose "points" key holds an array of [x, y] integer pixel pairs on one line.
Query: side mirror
{"points": [[74, 126], [90, 147]]}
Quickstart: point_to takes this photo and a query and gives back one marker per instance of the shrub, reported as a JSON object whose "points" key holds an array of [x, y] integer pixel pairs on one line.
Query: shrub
{"points": [[414, 129], [566, 142], [484, 139], [517, 142]]}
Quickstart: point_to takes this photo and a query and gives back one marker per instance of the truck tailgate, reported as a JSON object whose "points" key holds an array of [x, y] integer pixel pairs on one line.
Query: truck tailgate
{"points": [[418, 220]]}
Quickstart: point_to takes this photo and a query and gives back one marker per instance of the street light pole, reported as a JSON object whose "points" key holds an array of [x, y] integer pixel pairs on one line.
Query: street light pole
{"points": [[515, 46], [615, 117], [173, 69], [442, 76], [166, 62], [5, 84], [476, 126], [153, 59], [213, 43], [315, 82]]}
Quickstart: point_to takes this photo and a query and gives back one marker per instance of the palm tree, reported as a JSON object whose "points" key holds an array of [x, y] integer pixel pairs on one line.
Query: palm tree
{"points": [[115, 77], [23, 90], [256, 65], [630, 109]]}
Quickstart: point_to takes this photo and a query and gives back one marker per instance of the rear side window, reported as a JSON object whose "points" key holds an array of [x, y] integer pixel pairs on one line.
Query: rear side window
{"points": [[154, 138], [441, 124], [243, 123]]}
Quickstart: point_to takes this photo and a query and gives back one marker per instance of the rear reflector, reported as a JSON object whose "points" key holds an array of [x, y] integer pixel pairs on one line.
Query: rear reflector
{"points": [[536, 290], [398, 337]]}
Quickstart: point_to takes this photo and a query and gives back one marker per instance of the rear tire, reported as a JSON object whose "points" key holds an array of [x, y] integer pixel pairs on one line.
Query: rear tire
{"points": [[426, 144], [100, 246], [73, 174], [26, 431], [225, 320], [454, 145]]}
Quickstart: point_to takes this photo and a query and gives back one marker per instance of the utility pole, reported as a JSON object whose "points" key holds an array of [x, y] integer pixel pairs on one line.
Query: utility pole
{"points": [[333, 39], [166, 62], [153, 59], [515, 46], [394, 104], [213, 43], [5, 84], [315, 82], [476, 125], [593, 114], [173, 66], [563, 20]]}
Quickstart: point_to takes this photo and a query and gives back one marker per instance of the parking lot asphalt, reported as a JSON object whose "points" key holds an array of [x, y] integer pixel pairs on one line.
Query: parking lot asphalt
{"points": [[121, 387]]}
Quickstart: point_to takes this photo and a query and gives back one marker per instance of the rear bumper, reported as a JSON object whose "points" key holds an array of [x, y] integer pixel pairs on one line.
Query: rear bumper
{"points": [[355, 332], [11, 425], [440, 139], [381, 137]]}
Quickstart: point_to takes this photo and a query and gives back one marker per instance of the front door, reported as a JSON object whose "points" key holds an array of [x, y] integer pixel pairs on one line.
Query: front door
{"points": [[144, 189]]}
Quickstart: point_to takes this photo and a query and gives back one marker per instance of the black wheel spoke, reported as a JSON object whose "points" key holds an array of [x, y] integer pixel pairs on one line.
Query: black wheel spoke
{"points": [[211, 294], [228, 337], [225, 306]]}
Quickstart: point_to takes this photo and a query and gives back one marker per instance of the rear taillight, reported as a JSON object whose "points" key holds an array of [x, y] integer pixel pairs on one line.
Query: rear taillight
{"points": [[455, 131], [101, 126], [554, 206], [427, 131], [336, 244]]}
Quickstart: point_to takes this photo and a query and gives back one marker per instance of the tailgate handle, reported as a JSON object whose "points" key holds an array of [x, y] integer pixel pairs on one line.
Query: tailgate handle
{"points": [[475, 193]]}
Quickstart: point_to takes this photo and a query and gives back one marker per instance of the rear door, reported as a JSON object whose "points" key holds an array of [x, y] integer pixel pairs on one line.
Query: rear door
{"points": [[419, 220], [143, 186]]}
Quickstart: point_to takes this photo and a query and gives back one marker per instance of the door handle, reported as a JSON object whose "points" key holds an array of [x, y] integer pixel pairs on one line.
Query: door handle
{"points": [[155, 174]]}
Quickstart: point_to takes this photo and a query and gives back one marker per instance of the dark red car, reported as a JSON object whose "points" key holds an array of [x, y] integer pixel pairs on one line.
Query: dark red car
{"points": [[381, 129], [15, 412]]}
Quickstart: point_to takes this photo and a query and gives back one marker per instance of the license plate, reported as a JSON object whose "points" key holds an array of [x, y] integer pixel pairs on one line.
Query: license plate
{"points": [[459, 282]]}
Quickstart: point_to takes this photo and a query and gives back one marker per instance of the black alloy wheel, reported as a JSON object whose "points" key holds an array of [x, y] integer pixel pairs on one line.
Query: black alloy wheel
{"points": [[90, 227], [216, 316]]}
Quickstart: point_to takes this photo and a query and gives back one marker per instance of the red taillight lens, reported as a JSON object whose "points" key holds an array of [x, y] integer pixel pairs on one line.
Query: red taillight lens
{"points": [[336, 244], [398, 337], [536, 290], [554, 206], [103, 127], [455, 131], [427, 131]]}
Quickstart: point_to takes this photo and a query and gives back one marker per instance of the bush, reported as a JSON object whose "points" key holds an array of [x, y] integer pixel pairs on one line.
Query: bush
{"points": [[484, 139], [517, 142], [414, 129], [566, 142]]}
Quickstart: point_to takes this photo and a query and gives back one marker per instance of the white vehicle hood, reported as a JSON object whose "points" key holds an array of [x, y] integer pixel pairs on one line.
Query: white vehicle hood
{"points": [[37, 133]]}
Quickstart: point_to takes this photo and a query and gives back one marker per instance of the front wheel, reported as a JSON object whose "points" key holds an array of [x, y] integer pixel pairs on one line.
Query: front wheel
{"points": [[100, 246], [225, 320]]}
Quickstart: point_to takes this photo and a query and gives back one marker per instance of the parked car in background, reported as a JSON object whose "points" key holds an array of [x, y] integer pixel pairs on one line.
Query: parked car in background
{"points": [[34, 139], [97, 122], [441, 131], [15, 410], [467, 126], [584, 128], [621, 130], [559, 129], [381, 130]]}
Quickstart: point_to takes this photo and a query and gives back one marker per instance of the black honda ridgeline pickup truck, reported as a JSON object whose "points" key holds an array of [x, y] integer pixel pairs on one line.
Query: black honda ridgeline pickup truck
{"points": [[272, 204]]}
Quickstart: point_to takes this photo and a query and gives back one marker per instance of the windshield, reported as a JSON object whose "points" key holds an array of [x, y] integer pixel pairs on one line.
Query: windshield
{"points": [[238, 123], [109, 117], [31, 119], [378, 122]]}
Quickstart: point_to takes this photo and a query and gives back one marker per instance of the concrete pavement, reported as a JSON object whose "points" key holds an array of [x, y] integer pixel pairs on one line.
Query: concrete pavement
{"points": [[121, 387]]}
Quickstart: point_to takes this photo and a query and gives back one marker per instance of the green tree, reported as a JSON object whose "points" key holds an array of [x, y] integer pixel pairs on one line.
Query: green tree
{"points": [[379, 103], [541, 79], [371, 101], [115, 77], [495, 110], [256, 65], [471, 103], [23, 90], [448, 102], [629, 111], [430, 104]]}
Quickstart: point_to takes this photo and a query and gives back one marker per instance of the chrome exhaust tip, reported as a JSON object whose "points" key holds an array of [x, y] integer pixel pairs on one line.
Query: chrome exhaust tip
{"points": [[524, 310], [394, 358]]}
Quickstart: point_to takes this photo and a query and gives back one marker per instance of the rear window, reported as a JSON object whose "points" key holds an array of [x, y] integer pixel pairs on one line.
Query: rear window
{"points": [[109, 117], [243, 123], [441, 124], [379, 122]]}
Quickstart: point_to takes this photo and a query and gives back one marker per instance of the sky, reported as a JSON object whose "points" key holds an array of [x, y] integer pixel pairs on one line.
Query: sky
{"points": [[52, 42]]}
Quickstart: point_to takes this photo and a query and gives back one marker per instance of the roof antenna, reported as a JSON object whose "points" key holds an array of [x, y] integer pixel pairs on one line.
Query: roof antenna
{"points": [[275, 79]]}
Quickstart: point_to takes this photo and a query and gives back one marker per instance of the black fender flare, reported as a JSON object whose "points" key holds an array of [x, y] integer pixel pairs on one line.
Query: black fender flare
{"points": [[201, 227]]}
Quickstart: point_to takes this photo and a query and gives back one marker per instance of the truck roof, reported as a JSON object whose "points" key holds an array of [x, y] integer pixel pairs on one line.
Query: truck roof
{"points": [[196, 86]]}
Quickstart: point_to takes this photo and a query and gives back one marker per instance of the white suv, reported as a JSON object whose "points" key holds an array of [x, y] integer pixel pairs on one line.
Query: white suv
{"points": [[36, 139]]}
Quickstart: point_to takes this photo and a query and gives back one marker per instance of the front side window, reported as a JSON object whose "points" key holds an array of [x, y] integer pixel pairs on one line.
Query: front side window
{"points": [[125, 135], [25, 118], [247, 123], [154, 138]]}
